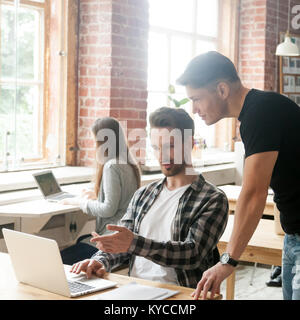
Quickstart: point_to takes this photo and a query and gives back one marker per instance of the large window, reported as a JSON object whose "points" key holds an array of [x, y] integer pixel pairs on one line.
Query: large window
{"points": [[179, 30], [21, 81], [32, 83]]}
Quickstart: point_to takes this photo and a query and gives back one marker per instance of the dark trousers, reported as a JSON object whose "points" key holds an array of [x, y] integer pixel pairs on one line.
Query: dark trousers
{"points": [[78, 252]]}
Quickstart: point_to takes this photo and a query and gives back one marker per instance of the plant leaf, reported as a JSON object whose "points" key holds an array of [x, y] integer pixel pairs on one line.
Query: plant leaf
{"points": [[184, 101], [171, 89], [177, 103]]}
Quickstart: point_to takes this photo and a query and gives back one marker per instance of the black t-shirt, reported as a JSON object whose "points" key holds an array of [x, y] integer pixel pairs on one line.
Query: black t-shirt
{"points": [[271, 122]]}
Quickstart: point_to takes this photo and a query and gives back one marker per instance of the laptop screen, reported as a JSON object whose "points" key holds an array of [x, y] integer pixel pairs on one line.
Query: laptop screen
{"points": [[47, 183]]}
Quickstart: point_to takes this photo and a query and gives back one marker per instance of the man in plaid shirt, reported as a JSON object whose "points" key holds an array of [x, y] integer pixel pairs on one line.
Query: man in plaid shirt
{"points": [[171, 228]]}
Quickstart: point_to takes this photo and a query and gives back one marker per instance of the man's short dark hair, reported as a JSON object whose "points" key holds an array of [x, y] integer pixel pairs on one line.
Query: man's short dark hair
{"points": [[165, 117], [206, 69]]}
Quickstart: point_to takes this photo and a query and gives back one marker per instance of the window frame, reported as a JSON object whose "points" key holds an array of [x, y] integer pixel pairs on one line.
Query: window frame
{"points": [[39, 82], [69, 86], [226, 41]]}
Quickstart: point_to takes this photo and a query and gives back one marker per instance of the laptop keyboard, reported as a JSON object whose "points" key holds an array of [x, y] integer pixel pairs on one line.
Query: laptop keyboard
{"points": [[62, 196], [76, 287]]}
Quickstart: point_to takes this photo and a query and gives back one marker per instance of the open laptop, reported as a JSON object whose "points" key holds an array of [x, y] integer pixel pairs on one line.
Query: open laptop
{"points": [[37, 262], [49, 186]]}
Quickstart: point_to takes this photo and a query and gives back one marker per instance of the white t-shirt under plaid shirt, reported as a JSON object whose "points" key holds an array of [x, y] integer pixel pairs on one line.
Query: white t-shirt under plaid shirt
{"points": [[158, 224]]}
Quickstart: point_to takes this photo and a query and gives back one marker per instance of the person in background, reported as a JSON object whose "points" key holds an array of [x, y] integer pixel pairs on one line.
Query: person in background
{"points": [[270, 132], [117, 178], [172, 226]]}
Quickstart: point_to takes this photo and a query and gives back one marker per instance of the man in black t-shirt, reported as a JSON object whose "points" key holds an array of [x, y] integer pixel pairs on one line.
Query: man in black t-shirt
{"points": [[270, 131]]}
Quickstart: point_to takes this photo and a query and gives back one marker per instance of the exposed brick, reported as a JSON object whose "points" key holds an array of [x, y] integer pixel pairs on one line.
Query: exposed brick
{"points": [[83, 92], [83, 112], [129, 114], [112, 68]]}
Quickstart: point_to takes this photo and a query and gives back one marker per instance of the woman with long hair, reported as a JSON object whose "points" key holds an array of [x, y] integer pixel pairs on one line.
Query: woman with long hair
{"points": [[117, 178]]}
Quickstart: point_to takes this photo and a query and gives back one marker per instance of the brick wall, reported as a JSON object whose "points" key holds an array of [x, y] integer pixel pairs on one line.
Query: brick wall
{"points": [[112, 68], [273, 28], [252, 42], [261, 22]]}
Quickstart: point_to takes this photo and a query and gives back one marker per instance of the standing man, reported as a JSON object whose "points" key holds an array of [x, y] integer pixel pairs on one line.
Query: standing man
{"points": [[270, 131]]}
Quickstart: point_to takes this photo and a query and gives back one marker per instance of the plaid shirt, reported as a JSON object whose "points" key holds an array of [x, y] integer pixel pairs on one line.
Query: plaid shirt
{"points": [[199, 223]]}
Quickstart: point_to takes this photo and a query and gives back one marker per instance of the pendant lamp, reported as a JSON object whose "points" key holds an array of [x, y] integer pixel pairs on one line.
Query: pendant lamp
{"points": [[287, 48]]}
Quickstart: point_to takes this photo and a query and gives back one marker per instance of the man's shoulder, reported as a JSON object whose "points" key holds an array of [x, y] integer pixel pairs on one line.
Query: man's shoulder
{"points": [[265, 101], [146, 189], [205, 191], [212, 190], [209, 199]]}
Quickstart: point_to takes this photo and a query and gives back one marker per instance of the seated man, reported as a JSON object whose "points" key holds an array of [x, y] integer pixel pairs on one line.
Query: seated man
{"points": [[172, 226]]}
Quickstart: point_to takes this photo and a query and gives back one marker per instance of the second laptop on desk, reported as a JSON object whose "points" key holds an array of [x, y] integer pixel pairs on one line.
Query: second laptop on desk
{"points": [[49, 186]]}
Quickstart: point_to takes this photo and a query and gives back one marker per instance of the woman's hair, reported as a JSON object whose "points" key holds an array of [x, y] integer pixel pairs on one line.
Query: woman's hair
{"points": [[121, 150]]}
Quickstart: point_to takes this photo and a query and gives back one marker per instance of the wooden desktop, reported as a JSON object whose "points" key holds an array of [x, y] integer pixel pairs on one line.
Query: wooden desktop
{"points": [[11, 289]]}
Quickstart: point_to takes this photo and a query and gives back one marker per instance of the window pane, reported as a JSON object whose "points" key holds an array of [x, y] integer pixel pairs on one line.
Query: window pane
{"points": [[207, 17], [7, 119], [178, 49], [181, 54], [204, 131], [21, 120], [155, 101], [204, 46], [28, 48], [7, 52], [157, 62], [27, 118], [172, 14]]}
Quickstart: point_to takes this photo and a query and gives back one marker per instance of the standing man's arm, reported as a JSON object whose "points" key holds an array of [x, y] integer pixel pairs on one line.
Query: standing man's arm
{"points": [[250, 205]]}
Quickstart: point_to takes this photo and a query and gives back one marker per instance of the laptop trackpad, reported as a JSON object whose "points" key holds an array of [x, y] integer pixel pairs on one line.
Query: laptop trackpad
{"points": [[93, 281]]}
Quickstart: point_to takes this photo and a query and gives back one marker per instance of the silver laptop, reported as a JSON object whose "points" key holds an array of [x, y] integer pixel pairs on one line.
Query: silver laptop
{"points": [[49, 186], [37, 262]]}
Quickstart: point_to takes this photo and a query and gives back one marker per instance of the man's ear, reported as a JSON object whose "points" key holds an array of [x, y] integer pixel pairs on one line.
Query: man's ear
{"points": [[223, 90]]}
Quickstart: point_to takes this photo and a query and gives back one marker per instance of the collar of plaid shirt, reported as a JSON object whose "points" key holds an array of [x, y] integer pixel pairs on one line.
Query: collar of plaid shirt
{"points": [[152, 191]]}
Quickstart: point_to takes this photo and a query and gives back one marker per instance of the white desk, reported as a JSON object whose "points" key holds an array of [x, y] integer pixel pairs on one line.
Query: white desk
{"points": [[232, 192], [35, 209], [32, 216]]}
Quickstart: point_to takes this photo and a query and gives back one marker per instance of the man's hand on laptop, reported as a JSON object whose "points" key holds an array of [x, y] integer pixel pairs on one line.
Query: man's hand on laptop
{"points": [[114, 243], [90, 267]]}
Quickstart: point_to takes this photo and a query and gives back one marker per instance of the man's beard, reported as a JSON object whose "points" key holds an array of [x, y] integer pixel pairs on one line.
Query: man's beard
{"points": [[174, 170]]}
